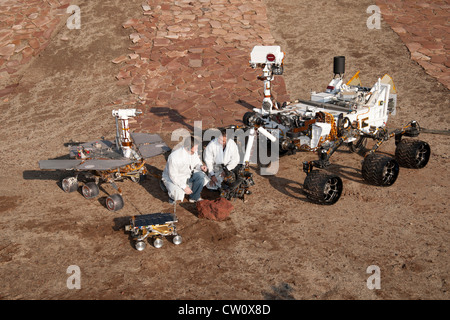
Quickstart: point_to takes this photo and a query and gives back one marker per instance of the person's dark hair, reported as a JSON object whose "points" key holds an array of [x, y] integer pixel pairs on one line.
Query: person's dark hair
{"points": [[190, 142]]}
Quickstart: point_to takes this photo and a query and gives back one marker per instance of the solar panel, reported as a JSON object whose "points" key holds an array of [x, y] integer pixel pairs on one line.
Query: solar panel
{"points": [[65, 164], [143, 138], [149, 145], [103, 164], [98, 149], [153, 219]]}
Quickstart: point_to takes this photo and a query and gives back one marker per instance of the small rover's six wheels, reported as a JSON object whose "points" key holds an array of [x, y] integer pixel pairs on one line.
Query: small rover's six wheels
{"points": [[177, 239], [158, 242], [140, 245]]}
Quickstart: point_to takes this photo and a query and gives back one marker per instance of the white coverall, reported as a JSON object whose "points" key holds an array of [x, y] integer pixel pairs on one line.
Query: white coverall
{"points": [[215, 156], [179, 169]]}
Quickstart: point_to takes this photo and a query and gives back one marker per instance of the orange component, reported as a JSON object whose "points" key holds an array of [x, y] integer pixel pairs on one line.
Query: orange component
{"points": [[126, 144], [305, 127]]}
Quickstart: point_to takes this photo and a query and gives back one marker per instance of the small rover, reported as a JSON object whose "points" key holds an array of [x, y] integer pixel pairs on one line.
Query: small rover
{"points": [[154, 226]]}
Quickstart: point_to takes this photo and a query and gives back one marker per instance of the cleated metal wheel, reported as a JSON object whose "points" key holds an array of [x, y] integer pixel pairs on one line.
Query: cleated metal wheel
{"points": [[380, 170], [90, 190], [69, 184], [114, 202], [323, 188], [413, 154]]}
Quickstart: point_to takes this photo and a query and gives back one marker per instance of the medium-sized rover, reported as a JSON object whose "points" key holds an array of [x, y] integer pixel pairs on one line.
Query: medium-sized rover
{"points": [[100, 161]]}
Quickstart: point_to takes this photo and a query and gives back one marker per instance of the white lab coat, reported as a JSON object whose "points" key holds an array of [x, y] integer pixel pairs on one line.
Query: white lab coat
{"points": [[179, 168], [215, 156]]}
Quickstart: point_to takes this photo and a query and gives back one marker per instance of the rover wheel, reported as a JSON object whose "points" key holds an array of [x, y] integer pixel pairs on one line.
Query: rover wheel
{"points": [[247, 117], [69, 184], [158, 242], [140, 245], [413, 153], [380, 170], [177, 239], [323, 188], [114, 202], [90, 190]]}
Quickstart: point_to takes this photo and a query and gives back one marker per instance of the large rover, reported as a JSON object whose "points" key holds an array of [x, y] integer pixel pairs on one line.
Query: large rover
{"points": [[345, 114]]}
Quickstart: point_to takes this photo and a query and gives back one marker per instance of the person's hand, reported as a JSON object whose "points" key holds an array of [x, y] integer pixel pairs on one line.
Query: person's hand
{"points": [[213, 181], [187, 190], [204, 168], [223, 174]]}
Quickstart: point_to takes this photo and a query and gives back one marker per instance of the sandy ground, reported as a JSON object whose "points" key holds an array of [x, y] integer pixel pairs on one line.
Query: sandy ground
{"points": [[275, 246]]}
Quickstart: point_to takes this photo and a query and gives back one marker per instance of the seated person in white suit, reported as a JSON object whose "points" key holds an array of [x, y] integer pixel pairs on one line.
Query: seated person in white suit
{"points": [[220, 152], [185, 173]]}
